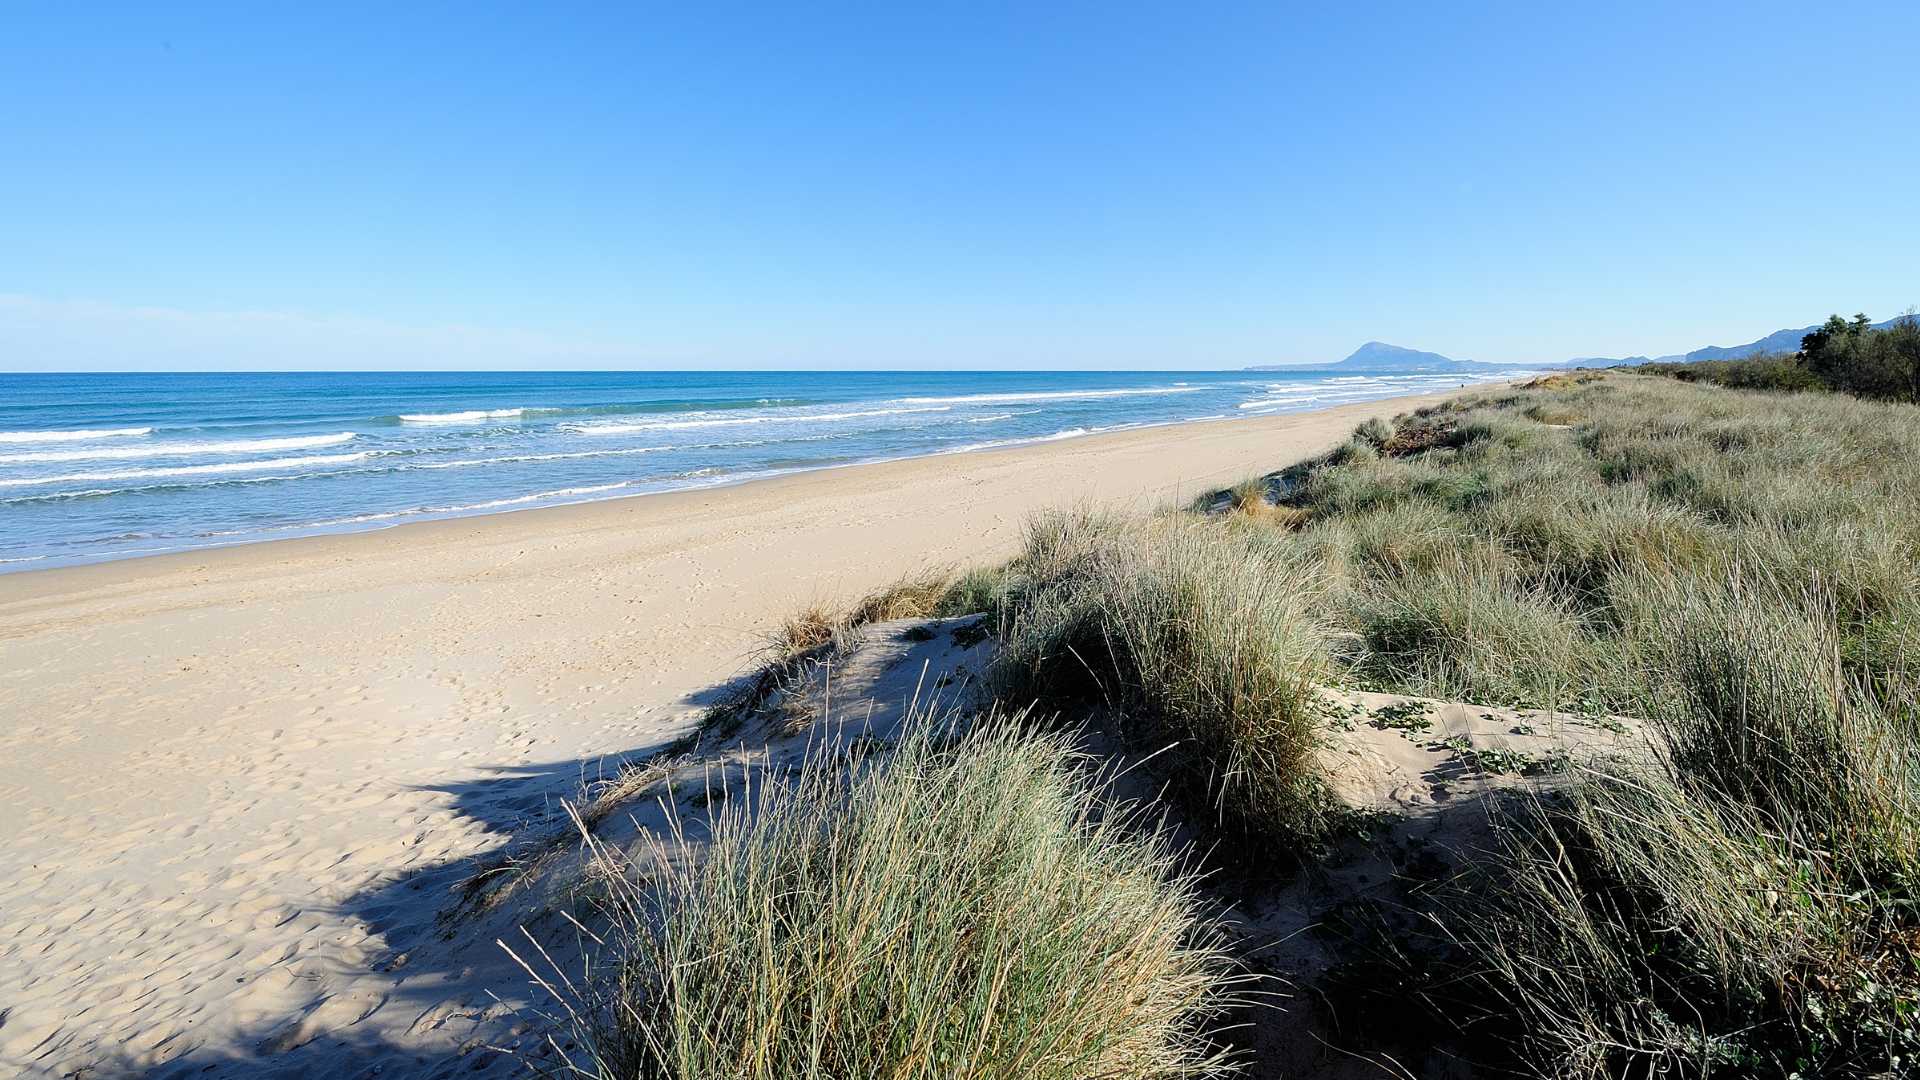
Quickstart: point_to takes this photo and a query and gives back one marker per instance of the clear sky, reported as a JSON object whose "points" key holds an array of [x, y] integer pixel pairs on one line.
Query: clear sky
{"points": [[1064, 185]]}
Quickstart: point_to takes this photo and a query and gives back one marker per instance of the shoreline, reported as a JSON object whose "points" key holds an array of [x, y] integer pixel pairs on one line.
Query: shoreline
{"points": [[379, 481], [1360, 409], [247, 777]]}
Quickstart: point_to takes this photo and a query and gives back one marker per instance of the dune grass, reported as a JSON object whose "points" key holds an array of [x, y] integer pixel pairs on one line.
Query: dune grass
{"points": [[1740, 570], [966, 904], [1488, 555], [915, 596], [1184, 636], [1745, 909]]}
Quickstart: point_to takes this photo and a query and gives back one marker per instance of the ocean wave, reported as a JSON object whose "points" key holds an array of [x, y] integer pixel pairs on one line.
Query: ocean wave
{"points": [[465, 417], [237, 446], [1326, 397], [63, 496], [1070, 433], [491, 504], [518, 458], [676, 425], [1052, 395], [609, 408], [75, 435], [314, 461]]}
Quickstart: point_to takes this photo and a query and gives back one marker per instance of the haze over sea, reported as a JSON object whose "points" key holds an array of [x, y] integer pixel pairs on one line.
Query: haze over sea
{"points": [[105, 466]]}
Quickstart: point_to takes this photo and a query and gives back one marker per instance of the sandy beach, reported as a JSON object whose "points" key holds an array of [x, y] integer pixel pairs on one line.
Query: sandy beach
{"points": [[239, 781]]}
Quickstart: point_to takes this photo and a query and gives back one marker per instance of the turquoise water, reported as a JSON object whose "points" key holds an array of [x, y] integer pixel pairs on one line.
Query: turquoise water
{"points": [[109, 466]]}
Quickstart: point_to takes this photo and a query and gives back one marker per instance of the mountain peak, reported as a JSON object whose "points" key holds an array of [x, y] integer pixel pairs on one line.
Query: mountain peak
{"points": [[1384, 356], [1380, 354]]}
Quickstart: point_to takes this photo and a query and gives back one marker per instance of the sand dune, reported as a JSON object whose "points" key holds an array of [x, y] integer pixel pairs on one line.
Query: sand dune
{"points": [[241, 781]]}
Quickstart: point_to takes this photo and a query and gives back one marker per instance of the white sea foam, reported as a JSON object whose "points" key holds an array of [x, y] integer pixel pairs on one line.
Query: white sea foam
{"points": [[1070, 433], [58, 496], [466, 417], [315, 461], [143, 450], [733, 421], [76, 435], [491, 504], [1051, 395], [517, 458], [1327, 397]]}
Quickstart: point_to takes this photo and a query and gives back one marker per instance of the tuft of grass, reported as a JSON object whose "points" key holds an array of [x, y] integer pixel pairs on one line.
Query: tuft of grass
{"points": [[806, 629], [917, 596], [1249, 496], [1189, 635], [961, 906], [978, 591], [1374, 431], [1251, 500]]}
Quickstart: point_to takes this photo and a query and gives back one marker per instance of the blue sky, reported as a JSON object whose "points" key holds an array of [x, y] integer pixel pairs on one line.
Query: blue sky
{"points": [[878, 186]]}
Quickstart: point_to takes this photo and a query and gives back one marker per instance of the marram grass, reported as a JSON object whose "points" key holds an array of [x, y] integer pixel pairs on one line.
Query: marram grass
{"points": [[961, 906]]}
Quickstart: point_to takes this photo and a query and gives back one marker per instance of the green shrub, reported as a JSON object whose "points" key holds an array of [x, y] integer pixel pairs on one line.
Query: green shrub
{"points": [[1849, 356], [1764, 371]]}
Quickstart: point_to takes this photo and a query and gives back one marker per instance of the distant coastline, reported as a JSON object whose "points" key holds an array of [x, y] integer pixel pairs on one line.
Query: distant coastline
{"points": [[153, 464]]}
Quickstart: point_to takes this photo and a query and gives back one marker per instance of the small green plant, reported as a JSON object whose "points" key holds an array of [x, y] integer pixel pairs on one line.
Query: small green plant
{"points": [[1408, 716], [1500, 759]]}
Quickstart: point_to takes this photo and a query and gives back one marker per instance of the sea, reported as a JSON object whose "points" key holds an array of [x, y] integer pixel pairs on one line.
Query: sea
{"points": [[111, 466]]}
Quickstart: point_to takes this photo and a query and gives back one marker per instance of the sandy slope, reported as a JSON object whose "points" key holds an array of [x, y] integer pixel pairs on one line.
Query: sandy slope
{"points": [[239, 782]]}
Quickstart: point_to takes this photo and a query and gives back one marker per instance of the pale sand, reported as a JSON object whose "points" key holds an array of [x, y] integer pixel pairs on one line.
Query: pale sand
{"points": [[238, 782]]}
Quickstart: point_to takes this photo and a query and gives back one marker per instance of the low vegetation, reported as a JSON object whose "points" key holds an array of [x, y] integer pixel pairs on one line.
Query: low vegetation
{"points": [[1185, 635], [1740, 571], [965, 905], [1848, 356]]}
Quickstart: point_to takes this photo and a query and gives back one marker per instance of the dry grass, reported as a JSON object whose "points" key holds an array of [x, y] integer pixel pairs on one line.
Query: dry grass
{"points": [[1251, 499], [916, 596]]}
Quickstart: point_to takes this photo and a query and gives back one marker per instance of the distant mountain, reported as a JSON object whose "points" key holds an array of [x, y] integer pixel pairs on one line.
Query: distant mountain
{"points": [[1778, 341], [1785, 341], [1380, 356]]}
